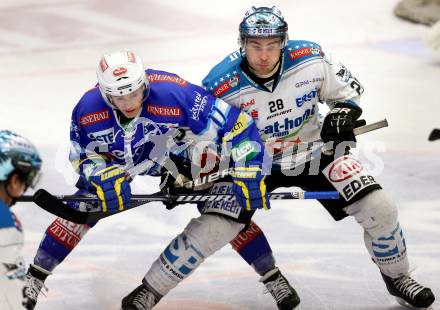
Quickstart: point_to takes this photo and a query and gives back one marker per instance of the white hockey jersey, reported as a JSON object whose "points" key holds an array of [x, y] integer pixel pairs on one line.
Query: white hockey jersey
{"points": [[12, 269], [287, 116]]}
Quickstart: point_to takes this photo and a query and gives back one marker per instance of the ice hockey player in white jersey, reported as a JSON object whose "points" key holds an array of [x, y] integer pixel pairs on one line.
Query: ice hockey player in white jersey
{"points": [[19, 169], [280, 84]]}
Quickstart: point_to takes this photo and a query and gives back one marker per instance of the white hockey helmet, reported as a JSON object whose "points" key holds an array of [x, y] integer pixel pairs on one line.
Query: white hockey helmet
{"points": [[119, 74]]}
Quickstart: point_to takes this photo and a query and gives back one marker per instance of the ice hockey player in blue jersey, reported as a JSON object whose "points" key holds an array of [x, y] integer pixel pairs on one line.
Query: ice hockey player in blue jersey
{"points": [[128, 126], [20, 164], [279, 83]]}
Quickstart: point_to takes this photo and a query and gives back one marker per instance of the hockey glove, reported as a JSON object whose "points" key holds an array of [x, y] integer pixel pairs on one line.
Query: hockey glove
{"points": [[339, 123], [112, 188], [171, 183], [249, 188]]}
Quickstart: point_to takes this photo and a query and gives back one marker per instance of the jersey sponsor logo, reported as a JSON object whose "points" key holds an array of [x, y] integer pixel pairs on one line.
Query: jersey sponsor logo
{"points": [[344, 168], [247, 104], [240, 125], [181, 257], [254, 114], [245, 150], [356, 186], [306, 97], [245, 237], [388, 249], [349, 177], [229, 84], [119, 71], [198, 105], [93, 118], [224, 207], [280, 129], [303, 52], [307, 82], [105, 136], [164, 111], [278, 113], [157, 78], [67, 233], [228, 208]]}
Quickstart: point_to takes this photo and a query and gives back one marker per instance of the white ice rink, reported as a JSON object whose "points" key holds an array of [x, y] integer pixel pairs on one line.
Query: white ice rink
{"points": [[49, 50]]}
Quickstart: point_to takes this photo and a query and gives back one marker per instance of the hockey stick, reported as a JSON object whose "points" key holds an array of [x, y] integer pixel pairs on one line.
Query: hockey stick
{"points": [[55, 205], [317, 144], [435, 135]]}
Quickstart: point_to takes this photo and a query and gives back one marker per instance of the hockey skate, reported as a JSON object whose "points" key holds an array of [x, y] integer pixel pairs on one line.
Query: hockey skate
{"points": [[408, 292], [35, 277], [139, 299], [284, 295]]}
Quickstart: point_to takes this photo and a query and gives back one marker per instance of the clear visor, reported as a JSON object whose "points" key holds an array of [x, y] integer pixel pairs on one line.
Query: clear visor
{"points": [[263, 45], [32, 178]]}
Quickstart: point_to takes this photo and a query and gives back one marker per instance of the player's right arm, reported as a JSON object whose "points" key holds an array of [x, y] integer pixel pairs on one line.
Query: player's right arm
{"points": [[212, 119], [341, 91], [94, 165]]}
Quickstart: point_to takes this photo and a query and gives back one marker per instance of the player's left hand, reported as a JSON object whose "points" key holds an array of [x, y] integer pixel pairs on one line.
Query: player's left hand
{"points": [[112, 188], [249, 188], [172, 182], [339, 123]]}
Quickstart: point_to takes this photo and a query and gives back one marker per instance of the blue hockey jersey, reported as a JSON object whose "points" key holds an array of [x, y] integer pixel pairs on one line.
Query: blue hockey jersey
{"points": [[141, 146]]}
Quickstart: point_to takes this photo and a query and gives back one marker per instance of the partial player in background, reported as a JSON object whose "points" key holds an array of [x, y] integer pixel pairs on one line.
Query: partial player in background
{"points": [[280, 83], [128, 126], [425, 12], [19, 168]]}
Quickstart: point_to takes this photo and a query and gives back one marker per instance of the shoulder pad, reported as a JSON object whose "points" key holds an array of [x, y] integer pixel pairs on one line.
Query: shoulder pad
{"points": [[157, 76], [225, 76], [92, 109], [298, 51]]}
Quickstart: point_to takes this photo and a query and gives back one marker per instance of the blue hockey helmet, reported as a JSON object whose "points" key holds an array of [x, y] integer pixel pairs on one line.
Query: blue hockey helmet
{"points": [[263, 22], [18, 154]]}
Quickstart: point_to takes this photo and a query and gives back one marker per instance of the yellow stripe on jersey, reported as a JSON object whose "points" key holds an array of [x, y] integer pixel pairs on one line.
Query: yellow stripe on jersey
{"points": [[240, 125]]}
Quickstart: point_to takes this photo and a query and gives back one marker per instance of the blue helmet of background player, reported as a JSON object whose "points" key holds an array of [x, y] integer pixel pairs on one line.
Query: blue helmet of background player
{"points": [[263, 22], [18, 155], [119, 74]]}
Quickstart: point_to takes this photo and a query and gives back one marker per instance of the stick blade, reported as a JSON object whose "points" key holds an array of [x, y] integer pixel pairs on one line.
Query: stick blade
{"points": [[52, 204]]}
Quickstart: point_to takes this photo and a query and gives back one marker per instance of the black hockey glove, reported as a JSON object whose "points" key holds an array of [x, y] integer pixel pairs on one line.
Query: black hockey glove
{"points": [[339, 123], [171, 182]]}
